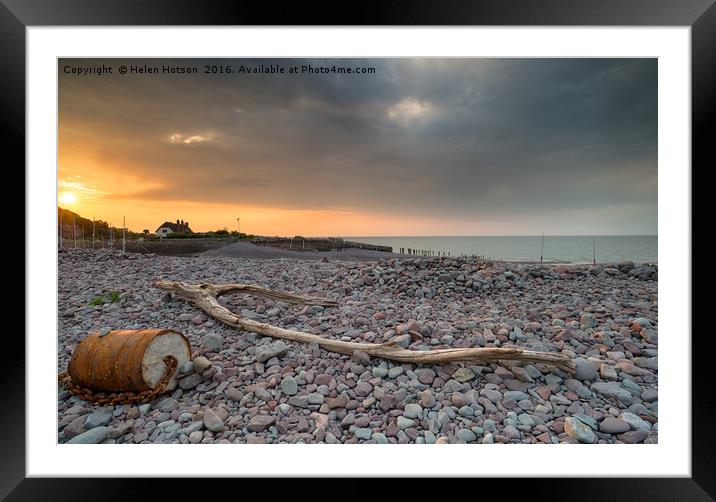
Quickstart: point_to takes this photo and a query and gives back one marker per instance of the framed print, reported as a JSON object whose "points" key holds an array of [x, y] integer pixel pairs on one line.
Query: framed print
{"points": [[415, 244]]}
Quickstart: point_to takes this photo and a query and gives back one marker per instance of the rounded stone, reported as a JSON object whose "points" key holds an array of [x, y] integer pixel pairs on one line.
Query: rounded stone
{"points": [[212, 421], [379, 372], [201, 364], [585, 370], [395, 372], [412, 411], [289, 386], [466, 435], [379, 438], [578, 430], [613, 426], [404, 423], [466, 411], [92, 436]]}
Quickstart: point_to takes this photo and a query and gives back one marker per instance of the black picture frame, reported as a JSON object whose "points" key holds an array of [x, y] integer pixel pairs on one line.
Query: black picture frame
{"points": [[700, 15]]}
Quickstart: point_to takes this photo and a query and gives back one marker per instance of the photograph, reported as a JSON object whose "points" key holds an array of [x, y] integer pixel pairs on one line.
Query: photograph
{"points": [[378, 250]]}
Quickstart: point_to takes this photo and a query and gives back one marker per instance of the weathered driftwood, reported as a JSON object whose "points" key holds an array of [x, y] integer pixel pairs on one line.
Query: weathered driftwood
{"points": [[205, 296]]}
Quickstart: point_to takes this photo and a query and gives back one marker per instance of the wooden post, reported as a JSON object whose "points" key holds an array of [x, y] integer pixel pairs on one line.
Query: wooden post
{"points": [[93, 228], [74, 231], [594, 250], [124, 227], [541, 252]]}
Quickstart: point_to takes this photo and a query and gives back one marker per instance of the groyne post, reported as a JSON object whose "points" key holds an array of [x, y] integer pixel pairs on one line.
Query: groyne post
{"points": [[594, 250]]}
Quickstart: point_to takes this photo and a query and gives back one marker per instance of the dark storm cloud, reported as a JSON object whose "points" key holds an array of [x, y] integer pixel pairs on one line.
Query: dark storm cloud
{"points": [[442, 137]]}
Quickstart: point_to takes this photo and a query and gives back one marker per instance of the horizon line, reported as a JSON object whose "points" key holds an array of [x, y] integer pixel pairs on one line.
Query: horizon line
{"points": [[402, 236], [508, 235]]}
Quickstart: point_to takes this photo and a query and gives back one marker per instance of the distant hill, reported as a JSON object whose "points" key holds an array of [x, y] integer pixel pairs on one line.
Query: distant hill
{"points": [[83, 226]]}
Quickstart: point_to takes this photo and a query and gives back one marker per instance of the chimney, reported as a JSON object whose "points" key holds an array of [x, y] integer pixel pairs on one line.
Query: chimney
{"points": [[177, 221], [186, 226]]}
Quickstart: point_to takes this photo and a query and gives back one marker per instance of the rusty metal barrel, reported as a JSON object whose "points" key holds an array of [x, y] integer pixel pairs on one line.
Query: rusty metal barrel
{"points": [[127, 360]]}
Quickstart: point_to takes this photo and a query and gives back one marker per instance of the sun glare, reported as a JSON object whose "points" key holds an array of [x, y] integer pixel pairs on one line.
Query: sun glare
{"points": [[68, 198]]}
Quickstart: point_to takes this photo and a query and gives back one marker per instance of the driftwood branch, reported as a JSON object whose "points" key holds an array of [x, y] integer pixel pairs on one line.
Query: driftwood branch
{"points": [[205, 297]]}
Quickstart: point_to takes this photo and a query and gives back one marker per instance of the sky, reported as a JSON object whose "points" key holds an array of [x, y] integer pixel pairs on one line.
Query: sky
{"points": [[417, 147]]}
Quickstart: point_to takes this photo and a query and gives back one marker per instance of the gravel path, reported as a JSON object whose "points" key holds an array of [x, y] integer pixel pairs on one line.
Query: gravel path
{"points": [[244, 388], [249, 250]]}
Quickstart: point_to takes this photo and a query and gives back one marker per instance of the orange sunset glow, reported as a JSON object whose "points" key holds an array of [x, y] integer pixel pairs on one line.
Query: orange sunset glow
{"points": [[420, 147]]}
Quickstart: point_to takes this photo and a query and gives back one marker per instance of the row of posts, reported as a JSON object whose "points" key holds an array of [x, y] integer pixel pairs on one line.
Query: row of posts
{"points": [[82, 233], [424, 252]]}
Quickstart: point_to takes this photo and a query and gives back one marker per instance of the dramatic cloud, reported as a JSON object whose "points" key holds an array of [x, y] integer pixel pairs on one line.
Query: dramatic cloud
{"points": [[410, 111], [569, 144], [193, 139]]}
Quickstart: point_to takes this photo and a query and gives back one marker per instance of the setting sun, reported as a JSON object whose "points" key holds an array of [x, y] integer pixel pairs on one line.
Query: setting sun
{"points": [[68, 198]]}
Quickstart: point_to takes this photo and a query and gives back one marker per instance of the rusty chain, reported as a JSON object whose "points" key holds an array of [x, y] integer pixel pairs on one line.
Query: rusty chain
{"points": [[116, 398]]}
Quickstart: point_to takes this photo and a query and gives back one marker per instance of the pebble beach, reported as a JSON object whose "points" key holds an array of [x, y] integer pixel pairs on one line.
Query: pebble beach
{"points": [[245, 388]]}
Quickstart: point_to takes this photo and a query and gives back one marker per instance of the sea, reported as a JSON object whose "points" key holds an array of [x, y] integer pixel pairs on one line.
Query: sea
{"points": [[557, 248]]}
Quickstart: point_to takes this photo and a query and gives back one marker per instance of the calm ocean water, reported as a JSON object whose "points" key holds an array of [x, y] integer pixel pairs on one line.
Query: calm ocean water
{"points": [[575, 249]]}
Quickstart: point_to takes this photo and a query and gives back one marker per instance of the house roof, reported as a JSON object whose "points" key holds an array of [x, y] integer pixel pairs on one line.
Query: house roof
{"points": [[173, 227]]}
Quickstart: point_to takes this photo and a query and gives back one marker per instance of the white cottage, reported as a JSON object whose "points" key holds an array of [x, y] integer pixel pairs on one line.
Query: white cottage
{"points": [[180, 227]]}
